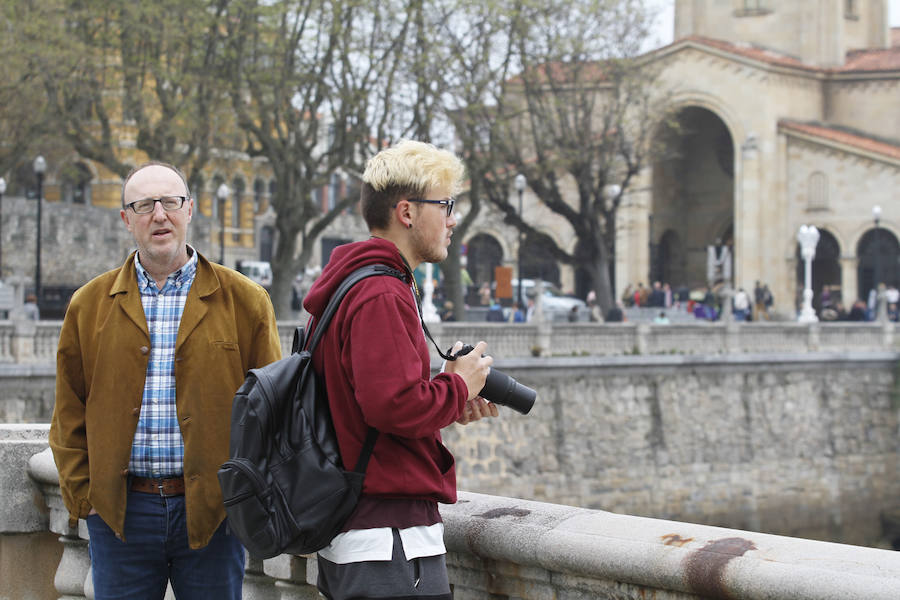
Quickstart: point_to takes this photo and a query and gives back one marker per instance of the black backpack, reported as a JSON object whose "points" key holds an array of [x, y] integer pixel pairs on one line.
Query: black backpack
{"points": [[285, 488]]}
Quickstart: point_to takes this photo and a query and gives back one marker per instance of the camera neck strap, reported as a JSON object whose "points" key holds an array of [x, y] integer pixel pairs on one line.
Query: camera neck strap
{"points": [[415, 290]]}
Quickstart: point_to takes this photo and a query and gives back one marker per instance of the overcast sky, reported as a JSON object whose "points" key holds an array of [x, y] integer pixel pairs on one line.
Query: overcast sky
{"points": [[666, 8]]}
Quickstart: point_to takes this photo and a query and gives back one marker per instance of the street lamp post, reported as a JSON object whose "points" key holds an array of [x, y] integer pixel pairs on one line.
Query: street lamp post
{"points": [[2, 191], [808, 236], [222, 195], [520, 188], [40, 167]]}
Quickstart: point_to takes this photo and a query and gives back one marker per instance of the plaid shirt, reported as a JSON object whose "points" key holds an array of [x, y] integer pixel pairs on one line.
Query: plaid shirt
{"points": [[158, 448]]}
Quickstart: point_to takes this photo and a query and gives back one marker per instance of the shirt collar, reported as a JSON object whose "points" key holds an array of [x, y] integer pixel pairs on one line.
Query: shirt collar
{"points": [[180, 277]]}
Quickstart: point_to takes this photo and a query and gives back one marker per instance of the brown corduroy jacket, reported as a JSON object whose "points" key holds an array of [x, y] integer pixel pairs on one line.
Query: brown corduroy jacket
{"points": [[228, 326]]}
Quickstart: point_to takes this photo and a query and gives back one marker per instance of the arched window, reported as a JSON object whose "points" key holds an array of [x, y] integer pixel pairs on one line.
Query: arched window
{"points": [[817, 191], [266, 243], [259, 188]]}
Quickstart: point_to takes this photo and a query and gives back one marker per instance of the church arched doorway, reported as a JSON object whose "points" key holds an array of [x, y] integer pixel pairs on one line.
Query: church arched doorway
{"points": [[483, 253], [538, 262], [879, 260], [693, 197]]}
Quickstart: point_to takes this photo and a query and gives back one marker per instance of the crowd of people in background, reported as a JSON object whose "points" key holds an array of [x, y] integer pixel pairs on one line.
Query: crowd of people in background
{"points": [[704, 303], [833, 308]]}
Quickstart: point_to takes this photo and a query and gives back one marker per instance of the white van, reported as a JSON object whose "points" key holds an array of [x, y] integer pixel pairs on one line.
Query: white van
{"points": [[259, 271]]}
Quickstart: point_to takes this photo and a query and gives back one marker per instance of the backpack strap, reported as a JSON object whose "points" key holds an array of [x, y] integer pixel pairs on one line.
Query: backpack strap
{"points": [[297, 342], [338, 295], [356, 276], [363, 461]]}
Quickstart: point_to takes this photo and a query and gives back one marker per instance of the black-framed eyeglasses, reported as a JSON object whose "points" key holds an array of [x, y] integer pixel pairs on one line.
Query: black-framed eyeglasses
{"points": [[449, 202], [147, 205]]}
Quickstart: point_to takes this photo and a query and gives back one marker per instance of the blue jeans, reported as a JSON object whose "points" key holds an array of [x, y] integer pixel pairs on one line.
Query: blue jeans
{"points": [[156, 550]]}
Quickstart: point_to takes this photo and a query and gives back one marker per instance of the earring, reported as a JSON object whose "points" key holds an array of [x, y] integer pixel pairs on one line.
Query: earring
{"points": [[409, 225]]}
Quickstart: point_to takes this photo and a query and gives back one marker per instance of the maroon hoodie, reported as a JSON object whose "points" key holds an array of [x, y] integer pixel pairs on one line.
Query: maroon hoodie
{"points": [[377, 371]]}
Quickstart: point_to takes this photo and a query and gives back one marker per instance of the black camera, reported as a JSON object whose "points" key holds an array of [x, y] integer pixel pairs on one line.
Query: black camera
{"points": [[502, 389]]}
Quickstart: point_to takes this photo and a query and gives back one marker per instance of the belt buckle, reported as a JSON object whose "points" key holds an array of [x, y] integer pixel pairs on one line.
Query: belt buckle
{"points": [[159, 486]]}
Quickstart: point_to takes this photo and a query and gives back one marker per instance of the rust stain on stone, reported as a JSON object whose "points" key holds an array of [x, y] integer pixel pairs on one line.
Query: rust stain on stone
{"points": [[705, 568], [673, 539], [504, 512]]}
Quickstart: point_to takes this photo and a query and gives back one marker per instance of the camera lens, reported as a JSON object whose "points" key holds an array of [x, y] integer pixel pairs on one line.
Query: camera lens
{"points": [[502, 389]]}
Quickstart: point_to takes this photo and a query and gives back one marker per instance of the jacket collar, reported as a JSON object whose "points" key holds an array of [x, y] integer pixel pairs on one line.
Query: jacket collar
{"points": [[206, 283]]}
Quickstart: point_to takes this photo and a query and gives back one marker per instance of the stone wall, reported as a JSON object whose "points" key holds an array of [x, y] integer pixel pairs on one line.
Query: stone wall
{"points": [[78, 242], [795, 445]]}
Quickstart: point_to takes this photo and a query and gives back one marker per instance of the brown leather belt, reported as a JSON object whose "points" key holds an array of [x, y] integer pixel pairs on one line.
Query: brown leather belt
{"points": [[173, 486]]}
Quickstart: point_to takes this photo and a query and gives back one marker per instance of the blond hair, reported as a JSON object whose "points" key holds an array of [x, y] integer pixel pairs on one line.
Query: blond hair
{"points": [[407, 169]]}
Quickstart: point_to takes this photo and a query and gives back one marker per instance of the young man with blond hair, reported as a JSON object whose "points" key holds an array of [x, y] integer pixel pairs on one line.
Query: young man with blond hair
{"points": [[376, 364]]}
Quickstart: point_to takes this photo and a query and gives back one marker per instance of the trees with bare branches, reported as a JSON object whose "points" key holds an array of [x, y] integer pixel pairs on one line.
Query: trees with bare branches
{"points": [[575, 118]]}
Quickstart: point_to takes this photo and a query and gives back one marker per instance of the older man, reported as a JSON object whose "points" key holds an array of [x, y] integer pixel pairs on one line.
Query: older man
{"points": [[150, 355]]}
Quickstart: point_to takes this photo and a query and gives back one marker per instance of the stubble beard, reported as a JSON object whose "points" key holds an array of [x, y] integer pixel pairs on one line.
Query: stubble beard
{"points": [[432, 253]]}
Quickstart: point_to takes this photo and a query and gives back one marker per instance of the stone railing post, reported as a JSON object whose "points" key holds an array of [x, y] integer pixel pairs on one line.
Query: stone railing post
{"points": [[641, 337], [543, 343], [813, 342], [73, 572], [258, 585], [292, 575], [732, 336], [887, 335], [23, 342]]}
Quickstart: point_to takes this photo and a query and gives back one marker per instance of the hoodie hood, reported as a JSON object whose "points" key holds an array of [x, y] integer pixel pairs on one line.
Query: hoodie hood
{"points": [[344, 260]]}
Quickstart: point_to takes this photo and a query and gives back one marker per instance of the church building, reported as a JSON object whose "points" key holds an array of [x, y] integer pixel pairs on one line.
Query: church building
{"points": [[788, 114]]}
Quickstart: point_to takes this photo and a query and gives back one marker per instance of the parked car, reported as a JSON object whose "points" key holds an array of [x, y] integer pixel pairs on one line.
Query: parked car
{"points": [[556, 305], [259, 271]]}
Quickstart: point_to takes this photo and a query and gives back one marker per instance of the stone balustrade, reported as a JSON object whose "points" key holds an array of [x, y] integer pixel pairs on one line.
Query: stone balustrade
{"points": [[497, 547], [516, 340], [35, 342]]}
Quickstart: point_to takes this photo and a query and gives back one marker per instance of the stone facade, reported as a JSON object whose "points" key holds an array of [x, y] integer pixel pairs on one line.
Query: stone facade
{"points": [[761, 71]]}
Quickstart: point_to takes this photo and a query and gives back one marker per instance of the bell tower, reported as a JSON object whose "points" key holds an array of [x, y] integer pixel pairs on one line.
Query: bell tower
{"points": [[817, 32]]}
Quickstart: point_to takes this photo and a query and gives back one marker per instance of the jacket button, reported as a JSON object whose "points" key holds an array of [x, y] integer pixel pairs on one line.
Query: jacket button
{"points": [[125, 472], [144, 349], [136, 411]]}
